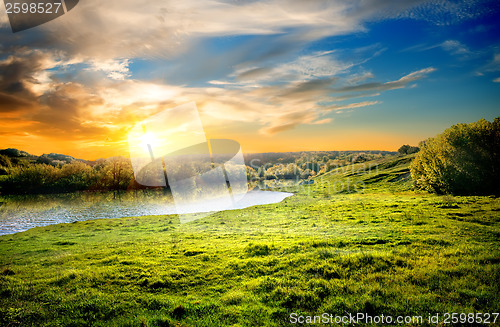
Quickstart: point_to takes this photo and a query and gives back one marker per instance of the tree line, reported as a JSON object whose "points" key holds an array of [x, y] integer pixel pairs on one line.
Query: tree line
{"points": [[303, 165], [29, 177], [22, 173]]}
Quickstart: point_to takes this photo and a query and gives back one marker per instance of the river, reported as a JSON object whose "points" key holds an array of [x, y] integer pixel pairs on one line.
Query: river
{"points": [[20, 213]]}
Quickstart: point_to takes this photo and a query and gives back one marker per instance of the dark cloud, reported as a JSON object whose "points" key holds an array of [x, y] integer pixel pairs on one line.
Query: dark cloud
{"points": [[63, 109], [313, 85], [17, 76], [17, 70], [57, 110], [12, 103], [308, 89], [375, 86]]}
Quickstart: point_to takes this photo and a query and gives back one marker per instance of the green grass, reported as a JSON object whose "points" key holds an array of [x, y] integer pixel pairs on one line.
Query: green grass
{"points": [[383, 249]]}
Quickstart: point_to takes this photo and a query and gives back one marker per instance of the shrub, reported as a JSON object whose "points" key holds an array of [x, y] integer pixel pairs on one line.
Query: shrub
{"points": [[408, 149], [31, 179], [464, 159], [114, 174], [5, 161], [75, 176]]}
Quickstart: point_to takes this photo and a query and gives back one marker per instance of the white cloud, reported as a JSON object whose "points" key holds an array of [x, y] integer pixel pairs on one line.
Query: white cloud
{"points": [[356, 78], [455, 47], [126, 29], [305, 68], [411, 77], [445, 12], [353, 105], [215, 82], [116, 69], [156, 28], [392, 85], [319, 64]]}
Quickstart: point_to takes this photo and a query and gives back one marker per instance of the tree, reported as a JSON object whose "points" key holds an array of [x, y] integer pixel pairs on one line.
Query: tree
{"points": [[5, 164], [359, 158], [10, 152], [251, 173], [114, 173], [464, 159], [408, 149], [5, 161], [75, 176]]}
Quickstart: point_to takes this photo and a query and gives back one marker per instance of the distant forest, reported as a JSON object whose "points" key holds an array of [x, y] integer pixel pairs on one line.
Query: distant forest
{"points": [[303, 165], [23, 173]]}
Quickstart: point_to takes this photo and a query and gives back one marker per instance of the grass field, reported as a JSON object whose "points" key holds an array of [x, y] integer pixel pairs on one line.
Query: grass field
{"points": [[358, 240]]}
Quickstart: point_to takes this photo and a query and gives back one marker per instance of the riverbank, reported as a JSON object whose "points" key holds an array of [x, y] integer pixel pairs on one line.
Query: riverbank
{"points": [[19, 213]]}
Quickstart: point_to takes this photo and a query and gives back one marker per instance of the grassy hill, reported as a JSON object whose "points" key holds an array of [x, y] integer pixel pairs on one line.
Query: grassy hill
{"points": [[357, 240]]}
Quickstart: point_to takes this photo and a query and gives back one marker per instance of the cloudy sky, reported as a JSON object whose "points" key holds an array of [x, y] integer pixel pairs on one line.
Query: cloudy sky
{"points": [[273, 75]]}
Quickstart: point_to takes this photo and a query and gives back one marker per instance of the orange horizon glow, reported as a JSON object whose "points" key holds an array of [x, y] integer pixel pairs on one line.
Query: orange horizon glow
{"points": [[249, 144]]}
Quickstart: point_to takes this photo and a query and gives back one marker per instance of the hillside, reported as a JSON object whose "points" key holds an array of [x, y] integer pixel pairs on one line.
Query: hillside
{"points": [[359, 239], [47, 158]]}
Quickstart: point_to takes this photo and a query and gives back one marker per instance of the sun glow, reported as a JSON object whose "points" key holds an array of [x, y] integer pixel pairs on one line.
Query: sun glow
{"points": [[149, 139]]}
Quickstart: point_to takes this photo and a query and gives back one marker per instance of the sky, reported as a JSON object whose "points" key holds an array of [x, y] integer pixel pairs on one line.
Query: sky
{"points": [[273, 75]]}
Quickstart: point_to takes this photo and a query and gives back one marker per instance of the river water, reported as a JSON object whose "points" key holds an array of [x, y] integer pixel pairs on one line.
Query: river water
{"points": [[20, 213]]}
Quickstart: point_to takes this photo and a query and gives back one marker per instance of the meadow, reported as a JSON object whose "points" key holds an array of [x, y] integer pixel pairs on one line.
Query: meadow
{"points": [[358, 240]]}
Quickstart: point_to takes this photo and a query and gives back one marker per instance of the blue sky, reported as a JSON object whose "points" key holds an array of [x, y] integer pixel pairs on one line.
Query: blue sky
{"points": [[274, 75]]}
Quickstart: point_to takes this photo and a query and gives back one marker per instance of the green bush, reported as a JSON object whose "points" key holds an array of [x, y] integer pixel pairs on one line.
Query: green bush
{"points": [[5, 161], [32, 178], [408, 149], [464, 159]]}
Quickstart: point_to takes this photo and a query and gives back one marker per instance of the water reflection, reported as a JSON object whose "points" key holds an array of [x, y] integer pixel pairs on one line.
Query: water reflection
{"points": [[20, 213]]}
